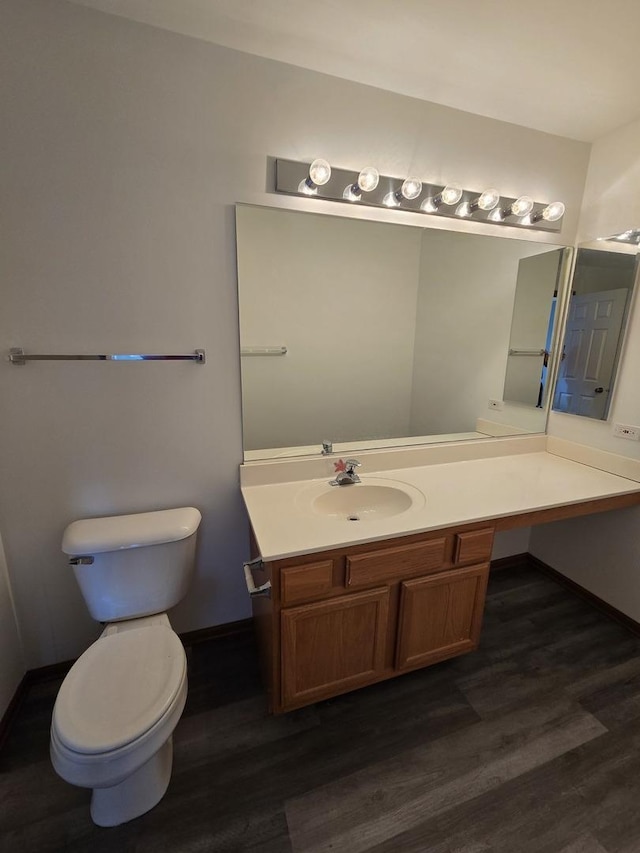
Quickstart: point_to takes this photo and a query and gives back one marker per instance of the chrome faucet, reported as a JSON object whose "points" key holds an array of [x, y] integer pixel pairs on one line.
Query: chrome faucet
{"points": [[327, 448], [345, 472]]}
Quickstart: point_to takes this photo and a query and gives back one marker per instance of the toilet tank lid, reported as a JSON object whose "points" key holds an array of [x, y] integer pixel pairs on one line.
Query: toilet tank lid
{"points": [[117, 532]]}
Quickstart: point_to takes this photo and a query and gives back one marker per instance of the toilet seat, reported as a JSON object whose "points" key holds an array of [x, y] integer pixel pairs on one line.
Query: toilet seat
{"points": [[118, 690]]}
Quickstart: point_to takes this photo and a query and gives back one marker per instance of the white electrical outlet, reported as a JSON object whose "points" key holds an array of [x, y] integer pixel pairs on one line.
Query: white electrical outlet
{"points": [[496, 404], [624, 431]]}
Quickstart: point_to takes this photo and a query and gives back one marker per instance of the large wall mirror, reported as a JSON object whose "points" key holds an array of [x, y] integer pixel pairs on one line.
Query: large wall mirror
{"points": [[370, 334], [602, 286]]}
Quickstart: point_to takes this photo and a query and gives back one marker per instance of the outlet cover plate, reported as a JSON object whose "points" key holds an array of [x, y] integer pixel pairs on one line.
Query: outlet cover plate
{"points": [[625, 431]]}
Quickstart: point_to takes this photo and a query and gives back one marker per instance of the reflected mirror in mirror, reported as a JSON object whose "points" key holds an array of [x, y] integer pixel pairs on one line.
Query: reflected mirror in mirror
{"points": [[369, 334], [601, 289]]}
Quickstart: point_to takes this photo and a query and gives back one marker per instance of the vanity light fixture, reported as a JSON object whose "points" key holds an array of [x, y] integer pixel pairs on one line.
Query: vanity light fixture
{"points": [[367, 182], [319, 174], [369, 188], [451, 194]]}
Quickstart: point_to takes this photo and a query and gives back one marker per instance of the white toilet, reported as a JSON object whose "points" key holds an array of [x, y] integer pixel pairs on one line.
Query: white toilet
{"points": [[118, 706]]}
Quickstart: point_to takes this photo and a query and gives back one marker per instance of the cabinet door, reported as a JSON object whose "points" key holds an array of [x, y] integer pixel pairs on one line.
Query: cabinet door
{"points": [[333, 646], [440, 616]]}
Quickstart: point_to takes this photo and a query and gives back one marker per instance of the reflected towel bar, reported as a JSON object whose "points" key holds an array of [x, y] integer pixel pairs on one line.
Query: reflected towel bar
{"points": [[263, 351], [536, 352], [18, 356]]}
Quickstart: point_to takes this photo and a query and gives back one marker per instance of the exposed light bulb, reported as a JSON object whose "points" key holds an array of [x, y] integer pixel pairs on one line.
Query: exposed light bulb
{"points": [[368, 179], [319, 172], [451, 194], [489, 199], [553, 211], [522, 206], [367, 182], [411, 188]]}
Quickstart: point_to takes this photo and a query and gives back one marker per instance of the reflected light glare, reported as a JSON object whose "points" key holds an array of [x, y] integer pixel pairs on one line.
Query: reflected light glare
{"points": [[352, 193], [390, 200], [306, 188], [429, 206]]}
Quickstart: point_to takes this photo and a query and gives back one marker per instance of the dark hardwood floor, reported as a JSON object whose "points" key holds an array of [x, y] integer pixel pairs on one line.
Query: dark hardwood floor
{"points": [[529, 745]]}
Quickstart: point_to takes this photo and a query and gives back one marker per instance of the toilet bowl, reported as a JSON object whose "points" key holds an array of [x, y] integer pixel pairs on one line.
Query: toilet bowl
{"points": [[114, 717], [118, 706]]}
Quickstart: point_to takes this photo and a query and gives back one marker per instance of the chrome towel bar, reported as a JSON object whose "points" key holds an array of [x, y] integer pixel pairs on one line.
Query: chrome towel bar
{"points": [[18, 356]]}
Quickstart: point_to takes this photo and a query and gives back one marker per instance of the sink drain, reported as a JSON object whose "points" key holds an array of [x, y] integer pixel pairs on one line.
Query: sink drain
{"points": [[353, 518]]}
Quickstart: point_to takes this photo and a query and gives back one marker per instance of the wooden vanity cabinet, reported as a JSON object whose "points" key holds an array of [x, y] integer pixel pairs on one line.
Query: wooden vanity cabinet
{"points": [[346, 618]]}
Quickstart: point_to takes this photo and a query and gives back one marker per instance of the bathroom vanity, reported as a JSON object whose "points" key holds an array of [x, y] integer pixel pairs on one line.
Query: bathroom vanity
{"points": [[352, 597]]}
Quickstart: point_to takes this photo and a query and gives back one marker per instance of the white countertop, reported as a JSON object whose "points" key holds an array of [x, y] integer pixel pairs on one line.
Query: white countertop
{"points": [[455, 493]]}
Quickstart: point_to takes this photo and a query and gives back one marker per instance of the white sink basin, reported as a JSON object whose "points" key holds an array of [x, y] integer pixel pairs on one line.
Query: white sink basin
{"points": [[365, 501]]}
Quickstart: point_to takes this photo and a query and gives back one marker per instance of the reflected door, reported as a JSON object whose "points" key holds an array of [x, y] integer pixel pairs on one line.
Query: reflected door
{"points": [[591, 345]]}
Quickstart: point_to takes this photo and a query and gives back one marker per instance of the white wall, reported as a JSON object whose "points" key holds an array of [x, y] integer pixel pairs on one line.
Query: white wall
{"points": [[341, 295], [12, 664], [125, 148], [603, 554]]}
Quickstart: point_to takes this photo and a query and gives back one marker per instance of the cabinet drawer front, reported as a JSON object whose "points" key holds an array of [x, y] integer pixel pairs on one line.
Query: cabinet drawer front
{"points": [[302, 583], [474, 546], [389, 563]]}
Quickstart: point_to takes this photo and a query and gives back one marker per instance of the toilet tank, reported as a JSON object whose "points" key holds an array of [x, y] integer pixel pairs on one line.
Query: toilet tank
{"points": [[133, 565]]}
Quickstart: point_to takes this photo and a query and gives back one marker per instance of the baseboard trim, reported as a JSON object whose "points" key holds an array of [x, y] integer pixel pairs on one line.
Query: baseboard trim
{"points": [[12, 709], [593, 599], [215, 632], [514, 561]]}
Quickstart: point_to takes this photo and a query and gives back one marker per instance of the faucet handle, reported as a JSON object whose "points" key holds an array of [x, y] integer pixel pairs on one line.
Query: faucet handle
{"points": [[351, 464]]}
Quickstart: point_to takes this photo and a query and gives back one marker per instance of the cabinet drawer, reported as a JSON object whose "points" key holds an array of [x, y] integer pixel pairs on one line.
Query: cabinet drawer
{"points": [[474, 546], [302, 583], [402, 561]]}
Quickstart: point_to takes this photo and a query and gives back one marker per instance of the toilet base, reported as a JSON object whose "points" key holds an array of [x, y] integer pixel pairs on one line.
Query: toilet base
{"points": [[137, 794]]}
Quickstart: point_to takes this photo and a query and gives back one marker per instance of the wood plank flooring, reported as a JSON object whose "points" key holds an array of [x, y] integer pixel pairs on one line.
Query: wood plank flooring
{"points": [[529, 745]]}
